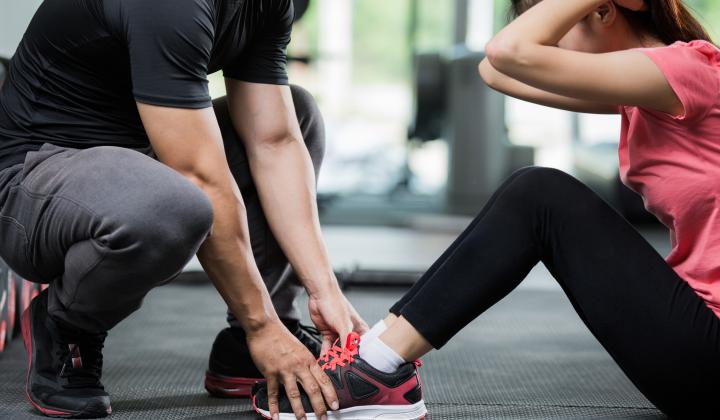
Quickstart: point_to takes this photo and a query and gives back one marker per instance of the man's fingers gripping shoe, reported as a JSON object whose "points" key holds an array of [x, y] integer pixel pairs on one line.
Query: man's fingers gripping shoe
{"points": [[364, 393]]}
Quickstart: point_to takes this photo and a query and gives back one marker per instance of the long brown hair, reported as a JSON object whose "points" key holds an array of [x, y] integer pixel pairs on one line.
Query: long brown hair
{"points": [[668, 20]]}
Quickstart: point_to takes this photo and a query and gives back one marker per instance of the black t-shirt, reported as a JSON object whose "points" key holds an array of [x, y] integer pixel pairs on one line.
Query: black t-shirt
{"points": [[82, 65]]}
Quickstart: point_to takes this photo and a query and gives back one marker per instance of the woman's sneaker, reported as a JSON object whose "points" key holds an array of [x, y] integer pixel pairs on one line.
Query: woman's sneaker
{"points": [[363, 391], [231, 372], [64, 368]]}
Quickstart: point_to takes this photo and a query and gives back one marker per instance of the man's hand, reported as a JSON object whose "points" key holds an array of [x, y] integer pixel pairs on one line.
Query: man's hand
{"points": [[334, 316], [282, 359]]}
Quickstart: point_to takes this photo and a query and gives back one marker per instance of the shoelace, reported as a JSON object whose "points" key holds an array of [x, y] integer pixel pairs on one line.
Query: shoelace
{"points": [[82, 363], [332, 352], [342, 356]]}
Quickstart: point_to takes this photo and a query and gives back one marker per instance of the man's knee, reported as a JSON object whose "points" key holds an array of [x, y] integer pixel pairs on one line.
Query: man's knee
{"points": [[171, 225], [159, 218], [311, 123]]}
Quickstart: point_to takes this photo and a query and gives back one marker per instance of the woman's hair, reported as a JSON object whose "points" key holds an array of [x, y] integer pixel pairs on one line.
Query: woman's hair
{"points": [[668, 20]]}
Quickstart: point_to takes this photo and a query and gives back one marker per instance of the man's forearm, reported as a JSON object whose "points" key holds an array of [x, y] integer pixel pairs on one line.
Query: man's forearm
{"points": [[285, 180], [227, 258]]}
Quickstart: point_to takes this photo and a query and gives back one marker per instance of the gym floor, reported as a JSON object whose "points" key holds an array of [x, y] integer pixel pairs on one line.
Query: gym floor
{"points": [[529, 357]]}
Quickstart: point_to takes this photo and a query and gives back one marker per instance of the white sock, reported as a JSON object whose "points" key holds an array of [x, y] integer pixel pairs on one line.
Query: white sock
{"points": [[380, 356], [374, 332]]}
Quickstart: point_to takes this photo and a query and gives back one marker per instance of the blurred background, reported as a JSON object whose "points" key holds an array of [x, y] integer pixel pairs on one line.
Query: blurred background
{"points": [[416, 142]]}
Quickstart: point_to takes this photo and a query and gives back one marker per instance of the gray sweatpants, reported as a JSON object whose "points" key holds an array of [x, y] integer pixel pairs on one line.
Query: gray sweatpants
{"points": [[106, 225]]}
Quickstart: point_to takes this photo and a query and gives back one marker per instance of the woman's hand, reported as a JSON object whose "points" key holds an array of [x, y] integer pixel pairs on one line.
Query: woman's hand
{"points": [[634, 5], [334, 316]]}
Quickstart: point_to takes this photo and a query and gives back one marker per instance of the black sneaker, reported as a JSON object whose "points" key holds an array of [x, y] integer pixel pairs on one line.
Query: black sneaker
{"points": [[64, 368], [232, 373]]}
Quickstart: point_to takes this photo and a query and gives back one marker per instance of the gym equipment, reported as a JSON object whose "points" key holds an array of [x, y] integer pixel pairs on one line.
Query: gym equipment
{"points": [[452, 102], [16, 294]]}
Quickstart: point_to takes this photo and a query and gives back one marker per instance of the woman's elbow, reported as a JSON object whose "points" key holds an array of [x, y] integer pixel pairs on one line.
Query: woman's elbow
{"points": [[487, 73], [505, 54]]}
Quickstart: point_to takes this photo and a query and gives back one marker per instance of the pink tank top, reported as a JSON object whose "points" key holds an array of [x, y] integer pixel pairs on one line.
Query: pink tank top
{"points": [[673, 162]]}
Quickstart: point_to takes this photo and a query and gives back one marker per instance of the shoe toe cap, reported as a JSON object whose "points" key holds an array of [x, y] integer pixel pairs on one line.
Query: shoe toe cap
{"points": [[89, 404]]}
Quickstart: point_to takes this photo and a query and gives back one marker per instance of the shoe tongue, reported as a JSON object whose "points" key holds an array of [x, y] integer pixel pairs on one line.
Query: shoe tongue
{"points": [[82, 367], [81, 355], [352, 341]]}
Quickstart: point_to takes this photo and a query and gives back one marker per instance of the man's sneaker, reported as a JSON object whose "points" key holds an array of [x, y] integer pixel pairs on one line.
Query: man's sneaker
{"points": [[232, 372], [363, 391], [64, 368]]}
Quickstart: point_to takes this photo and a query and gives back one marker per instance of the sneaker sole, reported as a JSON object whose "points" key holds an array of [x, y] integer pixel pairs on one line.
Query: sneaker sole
{"points": [[416, 411], [228, 386], [89, 412]]}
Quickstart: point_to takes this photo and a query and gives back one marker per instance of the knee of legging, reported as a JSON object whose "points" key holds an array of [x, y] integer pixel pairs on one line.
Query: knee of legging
{"points": [[311, 123], [547, 187]]}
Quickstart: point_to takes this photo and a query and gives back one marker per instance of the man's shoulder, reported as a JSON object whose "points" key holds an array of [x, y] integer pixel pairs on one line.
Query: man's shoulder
{"points": [[164, 10]]}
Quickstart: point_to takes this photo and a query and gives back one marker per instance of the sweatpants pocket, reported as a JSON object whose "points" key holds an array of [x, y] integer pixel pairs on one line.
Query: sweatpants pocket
{"points": [[14, 249]]}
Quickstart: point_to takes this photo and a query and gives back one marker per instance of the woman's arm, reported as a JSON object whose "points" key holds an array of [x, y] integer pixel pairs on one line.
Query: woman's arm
{"points": [[519, 90], [525, 51]]}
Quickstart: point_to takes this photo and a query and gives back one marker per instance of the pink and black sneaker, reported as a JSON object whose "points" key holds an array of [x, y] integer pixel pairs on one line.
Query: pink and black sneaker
{"points": [[364, 393]]}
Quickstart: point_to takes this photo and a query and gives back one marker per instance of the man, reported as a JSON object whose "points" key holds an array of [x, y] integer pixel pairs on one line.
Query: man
{"points": [[115, 171]]}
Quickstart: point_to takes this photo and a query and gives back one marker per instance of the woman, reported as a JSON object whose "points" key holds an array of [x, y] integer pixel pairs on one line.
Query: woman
{"points": [[655, 65]]}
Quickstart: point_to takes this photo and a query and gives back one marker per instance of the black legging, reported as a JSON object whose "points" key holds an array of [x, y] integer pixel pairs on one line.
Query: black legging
{"points": [[660, 333]]}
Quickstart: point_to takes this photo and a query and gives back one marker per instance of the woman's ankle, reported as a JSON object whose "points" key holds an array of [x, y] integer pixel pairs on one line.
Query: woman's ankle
{"points": [[405, 340]]}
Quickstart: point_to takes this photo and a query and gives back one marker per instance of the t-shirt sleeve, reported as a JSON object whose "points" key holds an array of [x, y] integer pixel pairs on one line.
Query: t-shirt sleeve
{"points": [[694, 79], [265, 60], [170, 43]]}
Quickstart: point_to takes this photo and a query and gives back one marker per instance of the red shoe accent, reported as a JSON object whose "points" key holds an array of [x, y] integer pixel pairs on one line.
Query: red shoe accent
{"points": [[257, 410], [229, 387], [12, 302], [25, 294], [27, 339], [3, 334]]}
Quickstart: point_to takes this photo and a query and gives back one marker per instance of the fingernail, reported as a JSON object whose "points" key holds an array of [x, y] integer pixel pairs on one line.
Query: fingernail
{"points": [[276, 417], [324, 417], [335, 405]]}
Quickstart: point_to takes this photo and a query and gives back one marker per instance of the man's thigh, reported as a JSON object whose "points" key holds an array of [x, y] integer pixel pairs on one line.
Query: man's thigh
{"points": [[64, 196]]}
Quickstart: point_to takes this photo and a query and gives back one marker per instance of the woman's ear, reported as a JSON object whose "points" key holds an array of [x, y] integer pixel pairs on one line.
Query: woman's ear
{"points": [[605, 14]]}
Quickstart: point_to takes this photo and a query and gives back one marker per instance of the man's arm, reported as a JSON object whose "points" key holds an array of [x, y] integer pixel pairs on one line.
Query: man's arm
{"points": [[264, 118], [190, 142]]}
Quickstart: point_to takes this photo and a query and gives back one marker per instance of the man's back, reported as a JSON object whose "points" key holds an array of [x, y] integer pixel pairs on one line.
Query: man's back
{"points": [[75, 82]]}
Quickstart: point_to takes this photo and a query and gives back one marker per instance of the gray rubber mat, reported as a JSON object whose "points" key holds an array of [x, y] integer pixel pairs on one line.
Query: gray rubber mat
{"points": [[527, 358]]}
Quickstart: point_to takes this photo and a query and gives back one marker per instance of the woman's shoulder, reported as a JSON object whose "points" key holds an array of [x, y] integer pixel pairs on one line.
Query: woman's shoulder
{"points": [[701, 49]]}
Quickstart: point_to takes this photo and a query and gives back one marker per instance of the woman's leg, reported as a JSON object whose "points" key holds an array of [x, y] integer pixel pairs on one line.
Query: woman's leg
{"points": [[651, 322], [395, 309]]}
